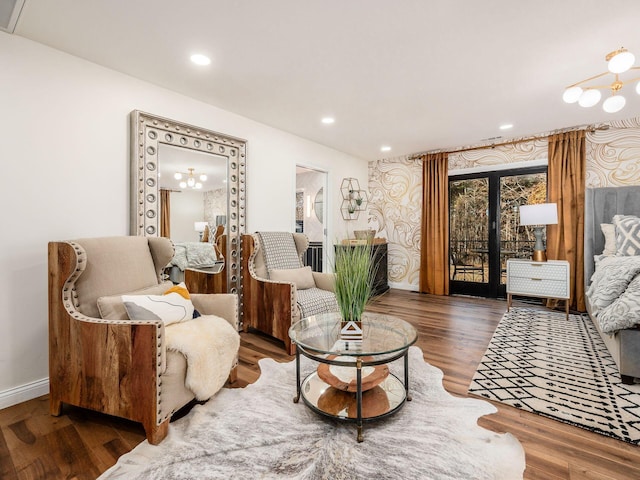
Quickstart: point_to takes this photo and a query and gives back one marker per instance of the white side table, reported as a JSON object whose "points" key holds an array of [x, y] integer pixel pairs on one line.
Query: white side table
{"points": [[538, 279]]}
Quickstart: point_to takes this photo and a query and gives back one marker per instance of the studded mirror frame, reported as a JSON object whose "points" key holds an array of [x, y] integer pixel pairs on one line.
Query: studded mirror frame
{"points": [[147, 133]]}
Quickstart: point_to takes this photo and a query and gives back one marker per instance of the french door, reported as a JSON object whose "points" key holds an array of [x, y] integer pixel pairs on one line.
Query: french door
{"points": [[484, 226]]}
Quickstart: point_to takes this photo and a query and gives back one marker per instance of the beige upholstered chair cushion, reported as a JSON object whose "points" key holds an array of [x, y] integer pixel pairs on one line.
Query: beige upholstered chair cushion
{"points": [[109, 272], [301, 277]]}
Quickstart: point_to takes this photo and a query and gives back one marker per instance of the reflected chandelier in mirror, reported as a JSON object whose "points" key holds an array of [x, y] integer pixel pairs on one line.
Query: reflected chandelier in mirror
{"points": [[148, 134]]}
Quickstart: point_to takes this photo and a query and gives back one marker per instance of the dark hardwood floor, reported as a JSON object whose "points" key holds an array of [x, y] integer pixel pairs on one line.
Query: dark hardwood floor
{"points": [[453, 334]]}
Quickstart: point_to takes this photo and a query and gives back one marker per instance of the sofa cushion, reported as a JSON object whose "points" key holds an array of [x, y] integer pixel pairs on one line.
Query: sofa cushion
{"points": [[301, 277]]}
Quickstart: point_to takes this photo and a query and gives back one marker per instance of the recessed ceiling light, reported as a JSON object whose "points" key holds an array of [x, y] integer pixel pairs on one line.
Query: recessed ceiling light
{"points": [[328, 120], [506, 126], [200, 59], [385, 148]]}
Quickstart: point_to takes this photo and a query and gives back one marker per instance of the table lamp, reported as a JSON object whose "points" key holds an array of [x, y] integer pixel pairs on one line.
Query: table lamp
{"points": [[200, 227], [538, 216]]}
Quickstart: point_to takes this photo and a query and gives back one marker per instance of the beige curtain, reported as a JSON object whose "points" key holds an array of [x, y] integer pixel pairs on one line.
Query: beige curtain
{"points": [[165, 213], [434, 256], [566, 186]]}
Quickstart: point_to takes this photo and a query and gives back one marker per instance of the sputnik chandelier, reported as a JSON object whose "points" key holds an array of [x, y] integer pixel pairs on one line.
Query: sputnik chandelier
{"points": [[190, 180], [619, 61]]}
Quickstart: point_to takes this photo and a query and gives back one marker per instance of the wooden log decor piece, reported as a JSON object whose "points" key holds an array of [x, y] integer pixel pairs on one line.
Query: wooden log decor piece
{"points": [[374, 402], [344, 378]]}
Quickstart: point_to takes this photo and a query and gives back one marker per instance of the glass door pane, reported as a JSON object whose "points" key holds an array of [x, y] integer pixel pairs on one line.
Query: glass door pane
{"points": [[485, 229], [468, 230], [516, 190]]}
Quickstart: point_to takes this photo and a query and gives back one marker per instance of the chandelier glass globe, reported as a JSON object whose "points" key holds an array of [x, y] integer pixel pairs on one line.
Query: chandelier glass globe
{"points": [[589, 98], [614, 104], [572, 94], [621, 62]]}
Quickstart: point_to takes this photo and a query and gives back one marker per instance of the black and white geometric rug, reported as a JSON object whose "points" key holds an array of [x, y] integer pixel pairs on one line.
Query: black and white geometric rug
{"points": [[542, 363]]}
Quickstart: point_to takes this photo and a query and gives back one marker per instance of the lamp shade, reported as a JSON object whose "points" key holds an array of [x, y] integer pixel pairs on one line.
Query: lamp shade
{"points": [[200, 226], [540, 214]]}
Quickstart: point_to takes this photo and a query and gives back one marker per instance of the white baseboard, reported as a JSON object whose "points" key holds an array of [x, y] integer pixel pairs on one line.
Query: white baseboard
{"points": [[25, 392], [403, 286]]}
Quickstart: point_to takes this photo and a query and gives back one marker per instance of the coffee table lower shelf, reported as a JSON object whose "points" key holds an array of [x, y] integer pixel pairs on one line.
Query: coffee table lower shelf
{"points": [[378, 402]]}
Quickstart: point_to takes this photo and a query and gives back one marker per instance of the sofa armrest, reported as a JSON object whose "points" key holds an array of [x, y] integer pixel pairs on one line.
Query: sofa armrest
{"points": [[325, 281], [224, 305]]}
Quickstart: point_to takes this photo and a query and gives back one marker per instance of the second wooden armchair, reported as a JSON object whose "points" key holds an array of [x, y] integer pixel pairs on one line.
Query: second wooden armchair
{"points": [[279, 290]]}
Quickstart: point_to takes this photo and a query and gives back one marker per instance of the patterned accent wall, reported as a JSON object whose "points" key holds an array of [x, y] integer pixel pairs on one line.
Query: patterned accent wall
{"points": [[499, 155], [395, 186], [613, 157], [215, 203], [395, 210]]}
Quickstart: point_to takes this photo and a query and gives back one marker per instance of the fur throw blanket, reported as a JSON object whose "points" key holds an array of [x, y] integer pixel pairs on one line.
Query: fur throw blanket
{"points": [[210, 345]]}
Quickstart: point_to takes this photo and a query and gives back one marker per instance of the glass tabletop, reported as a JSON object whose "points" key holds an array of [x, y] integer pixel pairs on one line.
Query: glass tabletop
{"points": [[381, 334]]}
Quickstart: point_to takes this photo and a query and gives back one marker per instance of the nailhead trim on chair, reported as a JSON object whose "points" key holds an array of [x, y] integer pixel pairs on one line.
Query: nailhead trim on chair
{"points": [[70, 300]]}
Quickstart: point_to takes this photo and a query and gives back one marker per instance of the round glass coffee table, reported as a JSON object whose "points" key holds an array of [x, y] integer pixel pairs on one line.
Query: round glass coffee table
{"points": [[352, 381]]}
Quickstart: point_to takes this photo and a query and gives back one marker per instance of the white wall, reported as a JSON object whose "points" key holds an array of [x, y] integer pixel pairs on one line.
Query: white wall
{"points": [[64, 152], [186, 207]]}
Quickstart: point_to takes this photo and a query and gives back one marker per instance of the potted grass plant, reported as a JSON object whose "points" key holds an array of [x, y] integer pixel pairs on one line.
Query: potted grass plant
{"points": [[354, 272]]}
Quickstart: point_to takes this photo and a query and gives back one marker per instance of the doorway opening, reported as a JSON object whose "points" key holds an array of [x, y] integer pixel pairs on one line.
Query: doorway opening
{"points": [[311, 214], [484, 227]]}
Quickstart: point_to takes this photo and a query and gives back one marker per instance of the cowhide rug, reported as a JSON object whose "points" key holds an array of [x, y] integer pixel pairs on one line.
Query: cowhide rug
{"points": [[258, 432]]}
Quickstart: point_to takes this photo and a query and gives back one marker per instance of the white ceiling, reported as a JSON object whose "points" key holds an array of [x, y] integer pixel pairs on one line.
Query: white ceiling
{"points": [[413, 74]]}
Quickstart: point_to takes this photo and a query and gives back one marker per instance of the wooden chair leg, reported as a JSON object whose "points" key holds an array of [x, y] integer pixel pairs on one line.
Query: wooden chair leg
{"points": [[156, 433], [55, 406], [289, 346]]}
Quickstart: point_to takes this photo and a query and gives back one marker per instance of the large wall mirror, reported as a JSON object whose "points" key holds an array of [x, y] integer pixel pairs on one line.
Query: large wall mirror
{"points": [[185, 177]]}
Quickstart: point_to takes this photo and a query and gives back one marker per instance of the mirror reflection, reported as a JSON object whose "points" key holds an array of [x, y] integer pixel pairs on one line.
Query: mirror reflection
{"points": [[188, 184], [193, 188], [193, 207], [318, 204]]}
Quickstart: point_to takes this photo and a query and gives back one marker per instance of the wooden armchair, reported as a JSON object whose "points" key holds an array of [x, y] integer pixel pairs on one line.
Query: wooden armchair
{"points": [[275, 298], [101, 360]]}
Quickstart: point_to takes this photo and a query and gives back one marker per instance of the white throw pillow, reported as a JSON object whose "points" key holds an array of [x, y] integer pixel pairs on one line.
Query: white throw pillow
{"points": [[302, 277], [609, 231], [172, 307]]}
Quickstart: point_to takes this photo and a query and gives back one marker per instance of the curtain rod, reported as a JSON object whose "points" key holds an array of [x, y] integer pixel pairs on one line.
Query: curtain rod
{"points": [[588, 128]]}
